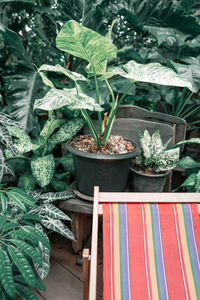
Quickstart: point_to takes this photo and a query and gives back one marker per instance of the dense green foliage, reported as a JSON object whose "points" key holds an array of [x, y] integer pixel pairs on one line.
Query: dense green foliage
{"points": [[145, 31]]}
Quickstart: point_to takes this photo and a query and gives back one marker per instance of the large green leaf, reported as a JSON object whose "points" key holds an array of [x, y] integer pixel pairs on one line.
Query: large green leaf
{"points": [[190, 72], [55, 99], [43, 169], [11, 38], [6, 274], [167, 34], [23, 87], [85, 43], [59, 69], [152, 73]]}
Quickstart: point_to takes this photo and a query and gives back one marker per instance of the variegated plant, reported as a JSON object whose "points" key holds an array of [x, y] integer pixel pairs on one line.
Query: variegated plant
{"points": [[96, 49], [24, 245], [6, 142], [37, 151], [154, 155]]}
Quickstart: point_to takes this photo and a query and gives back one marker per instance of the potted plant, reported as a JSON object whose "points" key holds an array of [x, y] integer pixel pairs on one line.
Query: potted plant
{"points": [[98, 168], [153, 164]]}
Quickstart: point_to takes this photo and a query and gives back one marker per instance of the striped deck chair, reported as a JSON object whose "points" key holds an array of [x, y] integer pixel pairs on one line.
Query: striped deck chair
{"points": [[151, 246]]}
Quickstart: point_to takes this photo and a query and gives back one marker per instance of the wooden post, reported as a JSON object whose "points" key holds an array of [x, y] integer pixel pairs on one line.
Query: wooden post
{"points": [[94, 248], [85, 274]]}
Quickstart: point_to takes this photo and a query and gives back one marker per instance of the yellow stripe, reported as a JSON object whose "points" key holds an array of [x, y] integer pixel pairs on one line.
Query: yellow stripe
{"points": [[186, 256], [117, 285], [150, 252]]}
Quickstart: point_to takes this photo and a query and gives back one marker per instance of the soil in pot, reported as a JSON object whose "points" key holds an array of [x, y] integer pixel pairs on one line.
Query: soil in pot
{"points": [[148, 182], [107, 167]]}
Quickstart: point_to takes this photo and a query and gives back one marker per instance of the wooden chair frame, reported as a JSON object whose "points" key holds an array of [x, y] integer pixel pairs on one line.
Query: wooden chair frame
{"points": [[90, 281]]}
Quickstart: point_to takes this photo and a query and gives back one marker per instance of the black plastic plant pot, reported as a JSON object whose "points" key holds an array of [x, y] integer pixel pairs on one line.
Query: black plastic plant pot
{"points": [[152, 183], [109, 172]]}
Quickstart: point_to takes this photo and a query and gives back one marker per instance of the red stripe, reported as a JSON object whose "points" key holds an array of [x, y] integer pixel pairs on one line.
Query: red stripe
{"points": [[146, 250], [106, 253], [112, 255], [196, 222], [136, 253], [171, 253]]}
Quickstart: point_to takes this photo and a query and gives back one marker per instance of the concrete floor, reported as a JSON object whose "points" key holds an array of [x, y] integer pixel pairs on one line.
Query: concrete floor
{"points": [[65, 279]]}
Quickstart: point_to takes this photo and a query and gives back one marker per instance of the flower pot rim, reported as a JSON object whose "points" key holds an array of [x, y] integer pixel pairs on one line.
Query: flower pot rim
{"points": [[150, 175], [103, 156]]}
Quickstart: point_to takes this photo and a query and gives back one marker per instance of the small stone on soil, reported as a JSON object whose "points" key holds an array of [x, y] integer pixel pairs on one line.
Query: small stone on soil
{"points": [[115, 145]]}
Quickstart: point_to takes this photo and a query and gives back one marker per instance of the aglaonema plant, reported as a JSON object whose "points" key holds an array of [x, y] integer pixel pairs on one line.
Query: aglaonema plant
{"points": [[96, 49]]}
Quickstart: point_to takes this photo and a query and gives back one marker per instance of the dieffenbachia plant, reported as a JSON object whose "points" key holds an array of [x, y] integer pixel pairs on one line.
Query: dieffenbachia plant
{"points": [[37, 152], [154, 154], [96, 49]]}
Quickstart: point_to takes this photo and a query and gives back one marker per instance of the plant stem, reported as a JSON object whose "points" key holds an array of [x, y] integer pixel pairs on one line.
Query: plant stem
{"points": [[112, 94], [98, 101], [89, 122], [112, 115]]}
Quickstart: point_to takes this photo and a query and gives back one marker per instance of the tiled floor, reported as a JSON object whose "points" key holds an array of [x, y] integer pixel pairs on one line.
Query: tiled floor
{"points": [[65, 279]]}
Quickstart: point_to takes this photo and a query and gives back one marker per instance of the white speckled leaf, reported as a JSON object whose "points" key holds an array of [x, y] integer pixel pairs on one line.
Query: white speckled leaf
{"points": [[85, 43], [43, 169], [55, 99], [24, 143], [167, 160], [59, 69], [152, 73], [65, 132]]}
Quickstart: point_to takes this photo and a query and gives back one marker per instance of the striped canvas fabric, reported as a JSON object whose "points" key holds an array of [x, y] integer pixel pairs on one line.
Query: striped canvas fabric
{"points": [[151, 251]]}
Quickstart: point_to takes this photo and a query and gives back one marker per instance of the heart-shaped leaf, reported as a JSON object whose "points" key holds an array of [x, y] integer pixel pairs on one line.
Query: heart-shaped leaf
{"points": [[43, 169], [85, 43], [55, 99], [152, 73], [58, 68]]}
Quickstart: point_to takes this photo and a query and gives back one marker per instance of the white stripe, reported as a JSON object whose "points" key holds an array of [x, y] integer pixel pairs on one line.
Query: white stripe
{"points": [[163, 262], [179, 251], [145, 255], [129, 284]]}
